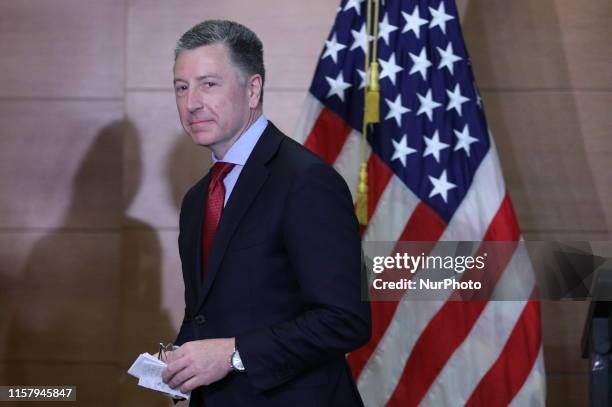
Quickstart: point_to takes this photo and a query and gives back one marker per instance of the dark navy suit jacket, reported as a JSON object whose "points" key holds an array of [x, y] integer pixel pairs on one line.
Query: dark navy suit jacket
{"points": [[283, 277]]}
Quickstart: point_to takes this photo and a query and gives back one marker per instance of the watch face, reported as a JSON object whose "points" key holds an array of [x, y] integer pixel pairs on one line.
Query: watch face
{"points": [[237, 362]]}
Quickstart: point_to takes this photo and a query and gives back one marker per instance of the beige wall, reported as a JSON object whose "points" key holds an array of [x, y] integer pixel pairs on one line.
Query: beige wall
{"points": [[93, 164]]}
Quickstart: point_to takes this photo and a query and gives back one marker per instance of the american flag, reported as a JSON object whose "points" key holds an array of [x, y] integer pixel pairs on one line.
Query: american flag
{"points": [[433, 175]]}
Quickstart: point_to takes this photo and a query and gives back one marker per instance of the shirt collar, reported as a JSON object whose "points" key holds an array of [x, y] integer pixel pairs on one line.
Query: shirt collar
{"points": [[240, 151]]}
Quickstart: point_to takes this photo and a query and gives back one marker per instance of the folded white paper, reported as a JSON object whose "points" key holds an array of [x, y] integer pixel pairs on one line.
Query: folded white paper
{"points": [[148, 369]]}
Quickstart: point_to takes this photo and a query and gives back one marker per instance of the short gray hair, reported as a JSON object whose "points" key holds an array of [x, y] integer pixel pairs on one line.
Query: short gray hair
{"points": [[245, 48]]}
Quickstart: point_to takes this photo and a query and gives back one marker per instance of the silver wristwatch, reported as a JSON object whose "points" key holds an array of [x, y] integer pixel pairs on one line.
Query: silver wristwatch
{"points": [[236, 362]]}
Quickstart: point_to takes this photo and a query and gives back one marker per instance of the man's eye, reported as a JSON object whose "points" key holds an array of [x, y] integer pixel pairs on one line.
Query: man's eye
{"points": [[210, 84], [180, 89]]}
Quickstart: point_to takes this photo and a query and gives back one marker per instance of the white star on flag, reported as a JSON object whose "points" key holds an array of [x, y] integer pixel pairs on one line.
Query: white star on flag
{"points": [[478, 98], [427, 105], [441, 186], [448, 58], [360, 39], [363, 78], [332, 47], [413, 21], [402, 150], [464, 140], [421, 63], [337, 86], [384, 29], [356, 4], [439, 17], [455, 99], [396, 110], [434, 146], [389, 68]]}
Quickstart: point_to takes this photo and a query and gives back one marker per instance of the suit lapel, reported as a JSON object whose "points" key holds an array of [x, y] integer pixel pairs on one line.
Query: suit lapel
{"points": [[196, 277], [251, 179]]}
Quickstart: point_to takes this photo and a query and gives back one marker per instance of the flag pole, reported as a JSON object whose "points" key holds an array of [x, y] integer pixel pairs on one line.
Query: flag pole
{"points": [[371, 113]]}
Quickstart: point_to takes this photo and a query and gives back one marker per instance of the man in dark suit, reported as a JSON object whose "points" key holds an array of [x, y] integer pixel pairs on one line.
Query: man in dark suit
{"points": [[269, 245]]}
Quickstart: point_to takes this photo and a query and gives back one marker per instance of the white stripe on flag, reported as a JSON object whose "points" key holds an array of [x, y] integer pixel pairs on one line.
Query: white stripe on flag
{"points": [[348, 161], [517, 283], [393, 211], [311, 110]]}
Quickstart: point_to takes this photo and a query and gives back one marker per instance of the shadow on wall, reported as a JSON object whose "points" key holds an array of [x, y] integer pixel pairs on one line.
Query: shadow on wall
{"points": [[88, 299], [143, 321], [520, 62], [187, 164]]}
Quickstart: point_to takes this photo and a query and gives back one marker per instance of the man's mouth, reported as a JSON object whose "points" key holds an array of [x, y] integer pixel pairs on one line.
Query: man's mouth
{"points": [[198, 121], [200, 124]]}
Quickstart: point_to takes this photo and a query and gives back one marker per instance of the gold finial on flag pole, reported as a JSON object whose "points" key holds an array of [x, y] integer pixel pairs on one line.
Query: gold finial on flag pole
{"points": [[371, 112]]}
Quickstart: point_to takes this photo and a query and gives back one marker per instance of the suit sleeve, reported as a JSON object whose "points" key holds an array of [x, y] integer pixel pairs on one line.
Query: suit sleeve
{"points": [[184, 334], [322, 238]]}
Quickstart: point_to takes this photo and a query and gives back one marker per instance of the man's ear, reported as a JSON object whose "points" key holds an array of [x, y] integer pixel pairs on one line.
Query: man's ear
{"points": [[254, 87]]}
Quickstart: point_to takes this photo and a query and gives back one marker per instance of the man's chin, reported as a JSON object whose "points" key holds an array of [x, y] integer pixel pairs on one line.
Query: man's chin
{"points": [[202, 139]]}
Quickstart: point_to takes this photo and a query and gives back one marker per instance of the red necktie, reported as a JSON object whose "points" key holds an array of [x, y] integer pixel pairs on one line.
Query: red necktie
{"points": [[213, 207]]}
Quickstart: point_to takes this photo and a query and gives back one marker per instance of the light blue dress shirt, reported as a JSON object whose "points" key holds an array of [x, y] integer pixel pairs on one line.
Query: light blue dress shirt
{"points": [[239, 152]]}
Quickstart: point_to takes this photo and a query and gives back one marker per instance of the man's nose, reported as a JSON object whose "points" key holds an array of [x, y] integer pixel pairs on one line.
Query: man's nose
{"points": [[194, 101]]}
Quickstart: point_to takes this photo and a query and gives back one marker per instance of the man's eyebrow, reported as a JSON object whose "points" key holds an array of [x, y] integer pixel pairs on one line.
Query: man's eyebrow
{"points": [[208, 76], [199, 78]]}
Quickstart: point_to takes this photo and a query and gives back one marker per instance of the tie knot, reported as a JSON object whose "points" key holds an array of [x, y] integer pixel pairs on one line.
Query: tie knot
{"points": [[220, 170]]}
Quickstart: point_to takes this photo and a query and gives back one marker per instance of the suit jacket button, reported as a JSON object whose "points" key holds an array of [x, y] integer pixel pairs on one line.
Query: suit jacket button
{"points": [[199, 319]]}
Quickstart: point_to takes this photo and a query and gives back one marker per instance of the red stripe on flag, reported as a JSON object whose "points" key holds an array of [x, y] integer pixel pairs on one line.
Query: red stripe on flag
{"points": [[328, 136], [508, 374], [455, 319], [505, 226], [424, 225]]}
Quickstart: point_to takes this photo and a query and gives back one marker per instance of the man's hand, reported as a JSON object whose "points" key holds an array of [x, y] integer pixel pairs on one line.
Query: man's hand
{"points": [[198, 363]]}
